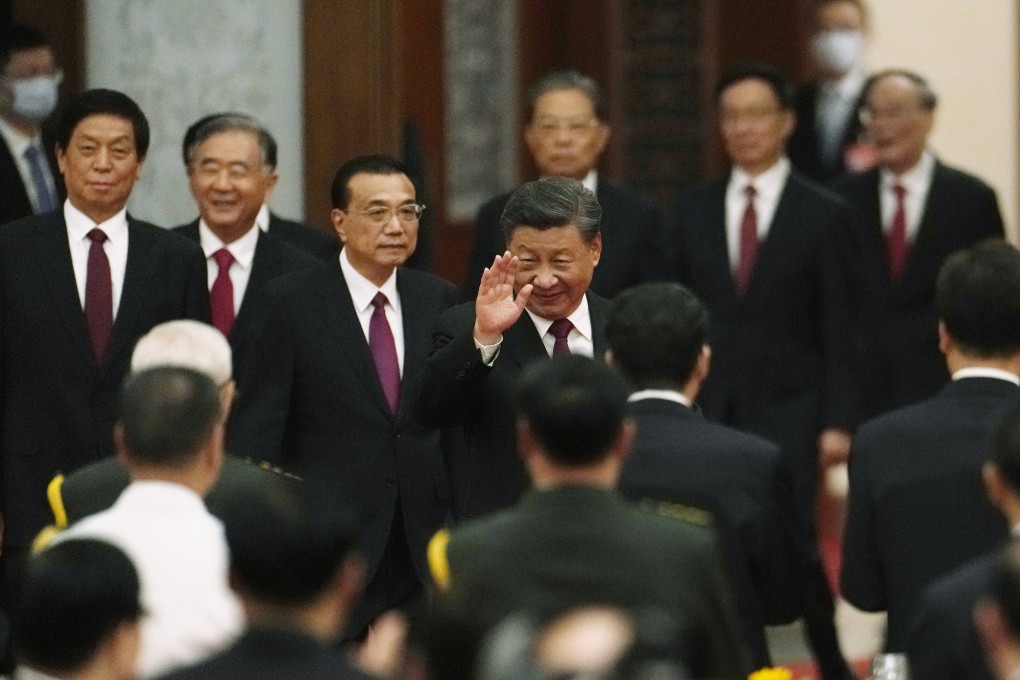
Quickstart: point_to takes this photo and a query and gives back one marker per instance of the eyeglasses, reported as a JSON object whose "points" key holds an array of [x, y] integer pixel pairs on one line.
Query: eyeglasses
{"points": [[894, 114], [548, 127], [382, 215], [754, 116]]}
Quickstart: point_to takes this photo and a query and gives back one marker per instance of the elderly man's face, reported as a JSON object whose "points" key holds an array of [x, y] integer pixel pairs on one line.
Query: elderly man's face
{"points": [[896, 122], [754, 125], [558, 263], [564, 136], [100, 165]]}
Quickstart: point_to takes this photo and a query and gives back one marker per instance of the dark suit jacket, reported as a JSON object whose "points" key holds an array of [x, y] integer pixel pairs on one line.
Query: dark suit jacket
{"points": [[272, 654], [917, 507], [459, 390], [896, 334], [313, 241], [274, 257], [782, 358], [573, 546], [680, 457], [632, 241], [805, 143], [314, 404], [14, 200], [943, 643], [58, 405]]}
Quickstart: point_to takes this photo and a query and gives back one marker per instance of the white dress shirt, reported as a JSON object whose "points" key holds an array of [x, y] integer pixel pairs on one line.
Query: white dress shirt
{"points": [[18, 143], [667, 395], [363, 291], [836, 108], [769, 187], [980, 372], [917, 182], [180, 552], [116, 248], [262, 218], [243, 252]]}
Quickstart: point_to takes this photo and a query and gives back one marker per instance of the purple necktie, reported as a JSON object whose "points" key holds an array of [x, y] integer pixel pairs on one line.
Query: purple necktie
{"points": [[221, 295], [560, 329], [98, 295], [748, 243], [384, 351]]}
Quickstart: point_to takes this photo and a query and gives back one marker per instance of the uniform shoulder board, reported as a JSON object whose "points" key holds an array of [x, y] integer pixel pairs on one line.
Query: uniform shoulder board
{"points": [[684, 513]]}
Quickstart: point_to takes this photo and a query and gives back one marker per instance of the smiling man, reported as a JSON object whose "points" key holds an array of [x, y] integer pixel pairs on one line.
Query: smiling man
{"points": [[78, 287], [331, 392], [532, 303]]}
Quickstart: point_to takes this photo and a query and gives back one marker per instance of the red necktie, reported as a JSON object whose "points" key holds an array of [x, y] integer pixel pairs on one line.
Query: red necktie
{"points": [[98, 295], [896, 241], [748, 243], [221, 295], [384, 351], [560, 329]]}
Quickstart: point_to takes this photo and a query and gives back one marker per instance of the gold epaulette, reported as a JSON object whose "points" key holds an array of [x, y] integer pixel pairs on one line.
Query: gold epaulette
{"points": [[685, 513]]}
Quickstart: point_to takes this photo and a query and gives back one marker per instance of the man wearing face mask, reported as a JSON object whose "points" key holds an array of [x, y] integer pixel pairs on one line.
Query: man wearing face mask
{"points": [[825, 141], [28, 94]]}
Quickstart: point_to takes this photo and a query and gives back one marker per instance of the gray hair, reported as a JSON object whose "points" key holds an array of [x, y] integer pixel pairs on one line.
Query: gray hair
{"points": [[217, 123], [927, 97], [552, 202], [185, 344], [568, 80]]}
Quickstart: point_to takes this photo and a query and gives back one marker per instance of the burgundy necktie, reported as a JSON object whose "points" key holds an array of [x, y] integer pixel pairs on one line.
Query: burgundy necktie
{"points": [[384, 351], [748, 243], [98, 295], [560, 329], [221, 295], [896, 243]]}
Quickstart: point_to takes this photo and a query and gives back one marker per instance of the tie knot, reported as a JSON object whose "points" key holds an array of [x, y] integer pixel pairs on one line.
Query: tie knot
{"points": [[750, 191], [223, 258], [379, 301], [899, 190], [97, 236], [31, 153], [560, 328]]}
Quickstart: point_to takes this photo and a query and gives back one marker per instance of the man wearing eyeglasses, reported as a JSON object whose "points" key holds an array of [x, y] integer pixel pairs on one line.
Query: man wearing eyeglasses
{"points": [[566, 134], [910, 214], [230, 161], [331, 390], [28, 94]]}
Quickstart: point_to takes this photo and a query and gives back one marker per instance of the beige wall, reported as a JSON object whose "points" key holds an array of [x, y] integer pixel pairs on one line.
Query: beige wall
{"points": [[969, 52]]}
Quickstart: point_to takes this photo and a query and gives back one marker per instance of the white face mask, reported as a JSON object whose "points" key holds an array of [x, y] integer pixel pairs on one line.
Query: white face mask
{"points": [[35, 98], [837, 51]]}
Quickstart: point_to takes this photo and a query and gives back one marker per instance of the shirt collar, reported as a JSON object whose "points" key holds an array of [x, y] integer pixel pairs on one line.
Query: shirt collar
{"points": [[362, 290], [849, 86], [579, 317], [17, 142], [916, 180], [982, 372], [591, 181], [668, 395], [79, 224], [768, 184], [262, 219], [242, 250]]}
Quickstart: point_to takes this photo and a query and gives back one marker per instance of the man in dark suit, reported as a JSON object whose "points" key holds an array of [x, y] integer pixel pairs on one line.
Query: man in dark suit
{"points": [[943, 640], [916, 508], [761, 249], [301, 236], [656, 336], [533, 302], [231, 177], [572, 540], [909, 214], [825, 142], [62, 368], [295, 568], [566, 134], [331, 391], [28, 95]]}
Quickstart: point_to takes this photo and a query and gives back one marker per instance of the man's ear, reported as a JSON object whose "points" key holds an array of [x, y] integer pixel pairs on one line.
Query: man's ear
{"points": [[945, 340], [527, 445], [120, 446]]}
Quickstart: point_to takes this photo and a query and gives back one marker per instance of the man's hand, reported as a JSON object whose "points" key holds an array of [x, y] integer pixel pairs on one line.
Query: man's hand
{"points": [[382, 653], [833, 447], [496, 309]]}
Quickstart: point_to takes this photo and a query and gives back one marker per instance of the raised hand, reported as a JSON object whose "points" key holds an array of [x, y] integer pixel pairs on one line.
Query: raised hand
{"points": [[496, 309]]}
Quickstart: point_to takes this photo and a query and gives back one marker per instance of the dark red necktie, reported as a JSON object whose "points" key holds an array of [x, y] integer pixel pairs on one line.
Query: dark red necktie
{"points": [[896, 241], [748, 243], [384, 351], [221, 295], [98, 295], [560, 329]]}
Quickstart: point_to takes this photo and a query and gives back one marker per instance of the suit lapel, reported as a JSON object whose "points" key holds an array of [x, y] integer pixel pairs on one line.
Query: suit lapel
{"points": [[53, 256], [264, 264], [137, 275], [416, 345], [924, 250], [718, 252], [522, 342]]}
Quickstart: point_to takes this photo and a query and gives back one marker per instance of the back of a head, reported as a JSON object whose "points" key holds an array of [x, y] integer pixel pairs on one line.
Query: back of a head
{"points": [[575, 407], [103, 102], [655, 332], [186, 344], [167, 415], [978, 299], [285, 549], [552, 202], [74, 595]]}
